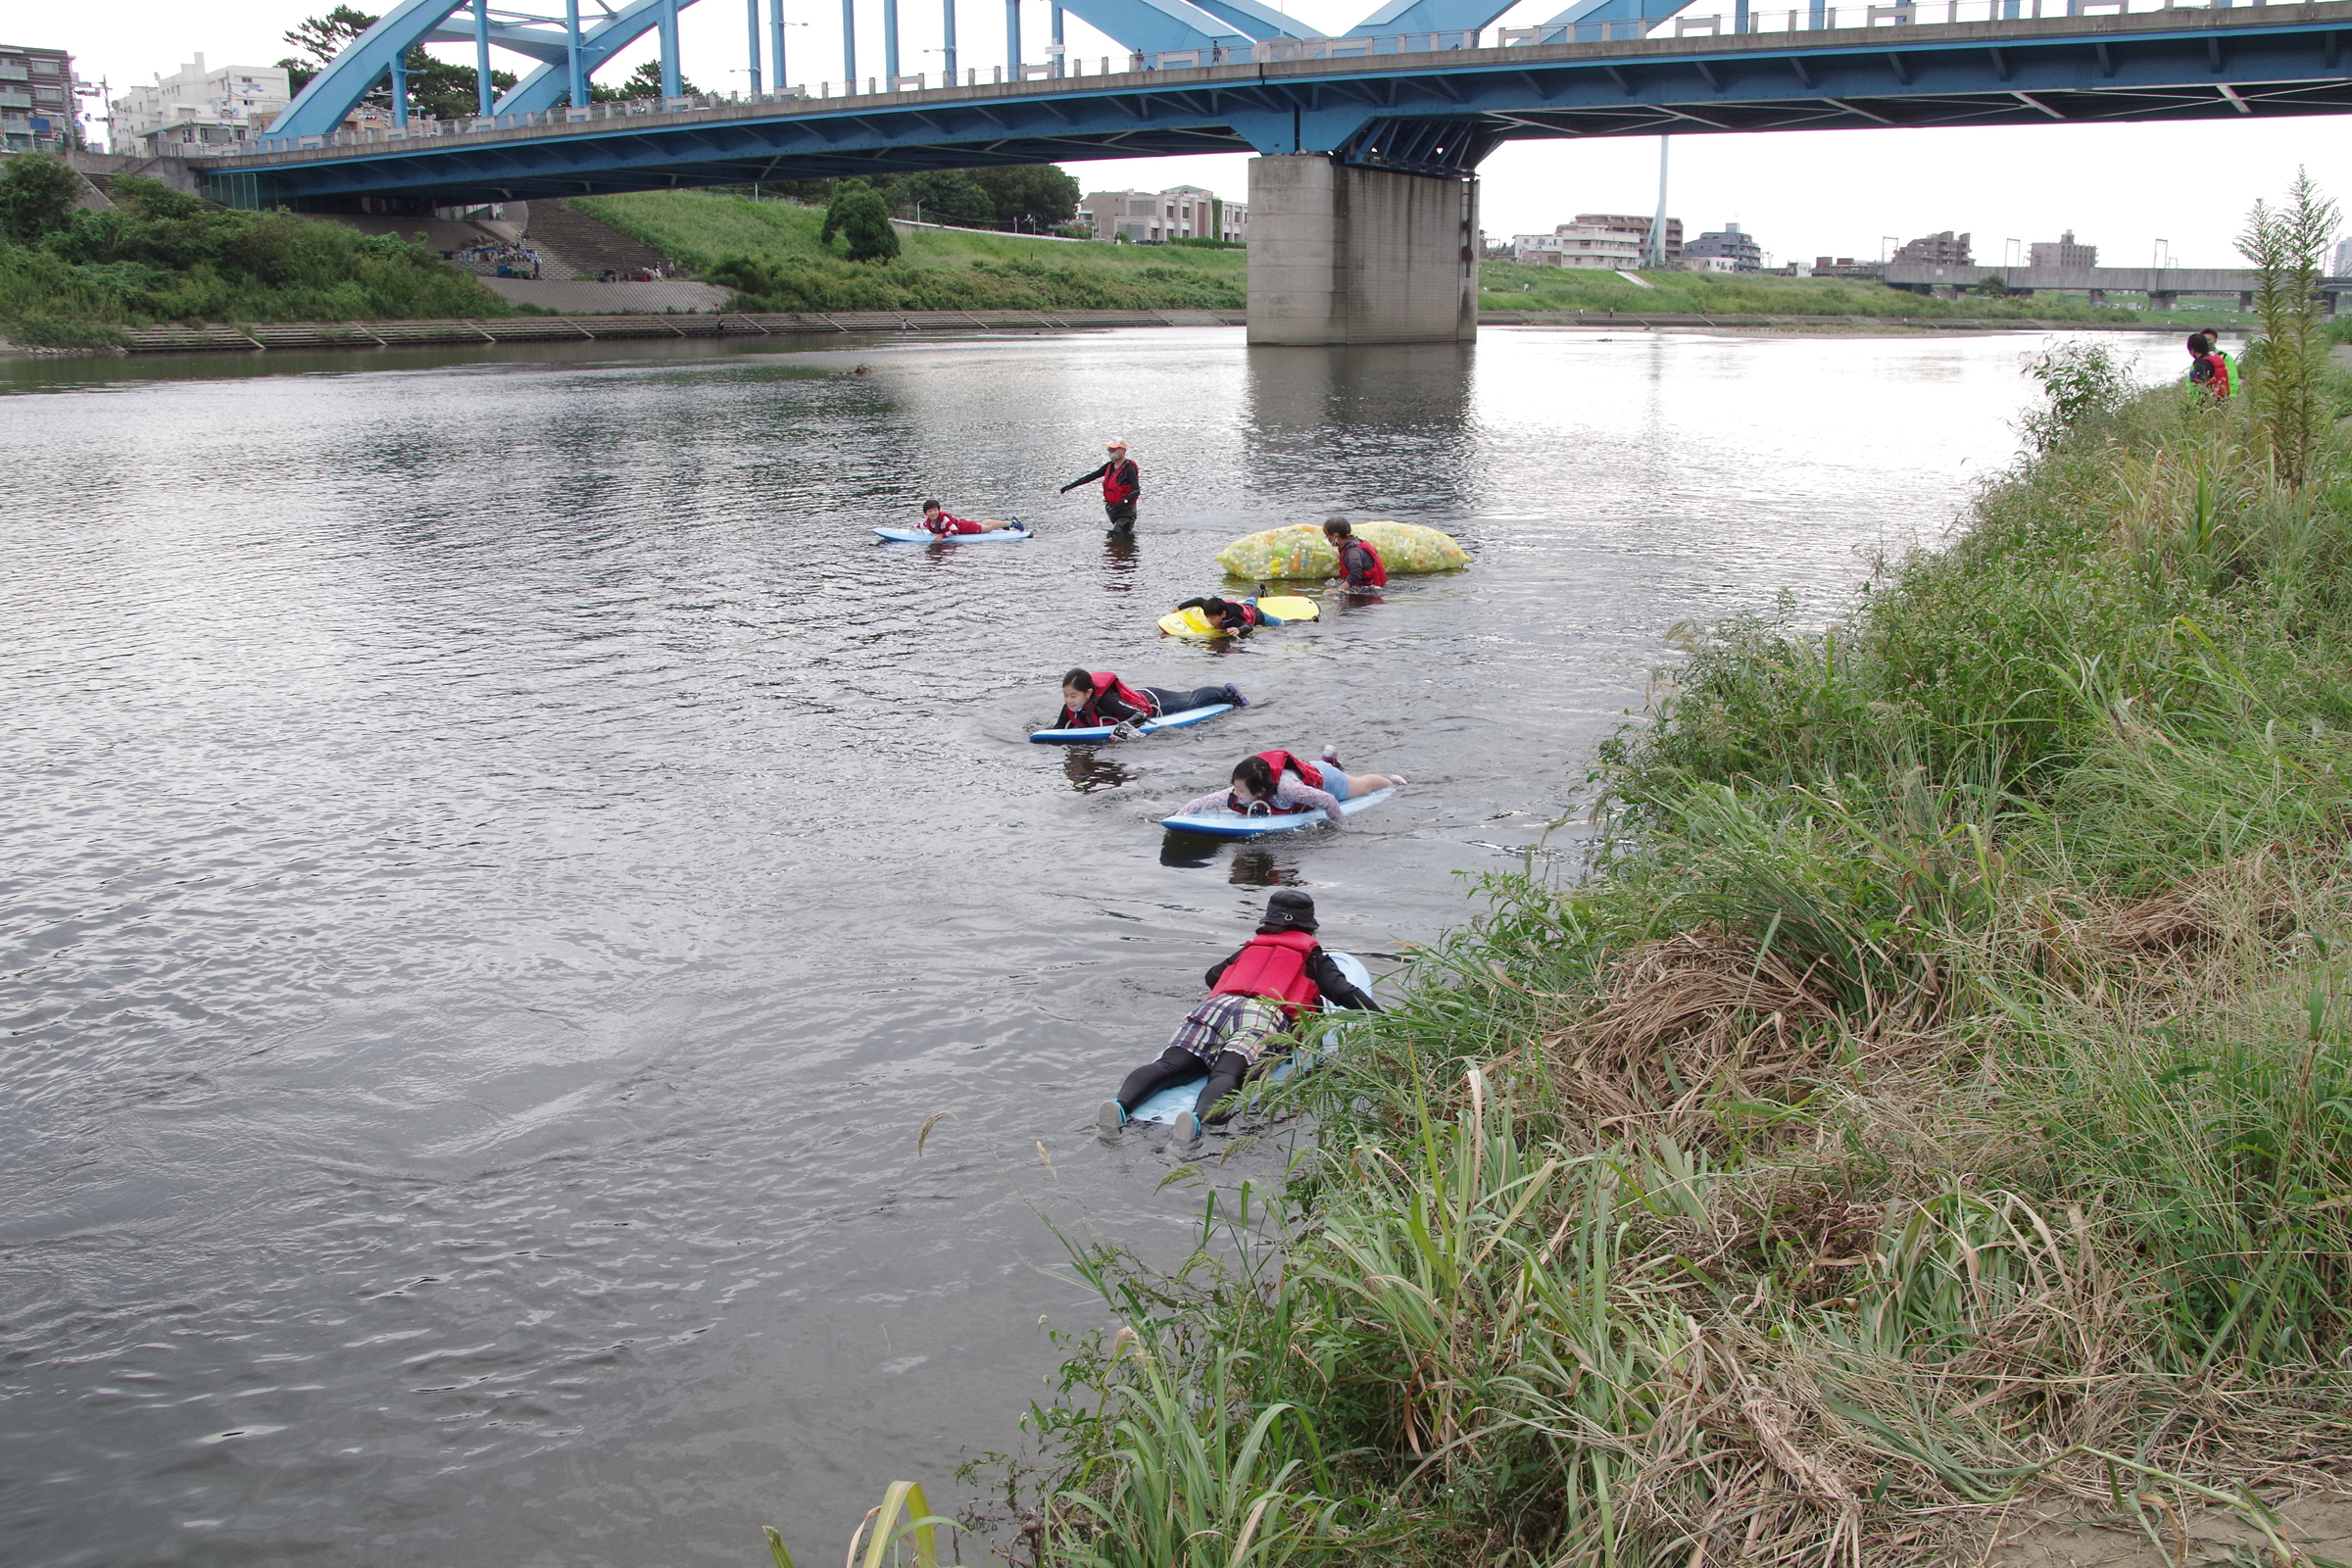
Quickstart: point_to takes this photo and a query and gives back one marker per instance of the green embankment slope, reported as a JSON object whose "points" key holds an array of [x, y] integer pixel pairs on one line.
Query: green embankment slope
{"points": [[72, 276], [769, 251], [1933, 1109]]}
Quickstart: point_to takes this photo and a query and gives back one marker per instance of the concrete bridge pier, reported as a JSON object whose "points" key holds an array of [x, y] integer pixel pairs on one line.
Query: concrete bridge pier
{"points": [[1345, 254]]}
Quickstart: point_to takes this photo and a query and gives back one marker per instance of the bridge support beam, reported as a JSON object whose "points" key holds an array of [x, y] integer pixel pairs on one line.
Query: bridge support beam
{"points": [[1346, 255]]}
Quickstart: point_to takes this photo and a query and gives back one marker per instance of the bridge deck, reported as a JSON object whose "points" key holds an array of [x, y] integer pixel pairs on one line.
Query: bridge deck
{"points": [[1433, 112]]}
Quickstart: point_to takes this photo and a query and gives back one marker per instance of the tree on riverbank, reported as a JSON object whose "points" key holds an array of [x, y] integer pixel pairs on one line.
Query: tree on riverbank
{"points": [[2289, 245], [1932, 1109]]}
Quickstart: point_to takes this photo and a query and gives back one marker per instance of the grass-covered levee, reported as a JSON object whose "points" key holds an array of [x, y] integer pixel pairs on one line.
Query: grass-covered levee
{"points": [[1932, 1101]]}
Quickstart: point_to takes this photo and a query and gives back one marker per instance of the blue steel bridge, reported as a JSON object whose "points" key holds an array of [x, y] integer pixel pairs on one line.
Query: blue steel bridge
{"points": [[1425, 102], [1419, 93]]}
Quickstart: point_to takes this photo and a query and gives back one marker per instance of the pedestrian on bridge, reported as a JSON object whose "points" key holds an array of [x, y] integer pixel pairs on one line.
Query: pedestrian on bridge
{"points": [[1122, 484]]}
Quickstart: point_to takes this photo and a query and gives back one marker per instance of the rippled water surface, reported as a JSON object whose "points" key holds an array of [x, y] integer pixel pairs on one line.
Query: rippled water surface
{"points": [[500, 864]]}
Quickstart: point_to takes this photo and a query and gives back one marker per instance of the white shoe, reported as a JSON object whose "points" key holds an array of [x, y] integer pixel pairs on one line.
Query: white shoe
{"points": [[1331, 755], [1397, 781], [1109, 1118]]}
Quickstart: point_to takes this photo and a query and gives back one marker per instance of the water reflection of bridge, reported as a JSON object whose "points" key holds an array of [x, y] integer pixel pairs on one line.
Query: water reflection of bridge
{"points": [[1364, 204]]}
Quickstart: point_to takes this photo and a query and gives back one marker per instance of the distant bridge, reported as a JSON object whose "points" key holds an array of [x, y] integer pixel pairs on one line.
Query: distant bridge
{"points": [[1403, 102], [2163, 285]]}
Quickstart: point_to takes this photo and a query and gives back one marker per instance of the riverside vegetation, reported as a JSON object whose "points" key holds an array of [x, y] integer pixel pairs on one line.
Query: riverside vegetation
{"points": [[73, 276], [1933, 1098]]}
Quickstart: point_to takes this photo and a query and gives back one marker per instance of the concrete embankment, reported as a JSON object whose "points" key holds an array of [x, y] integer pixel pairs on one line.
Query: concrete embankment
{"points": [[730, 324]]}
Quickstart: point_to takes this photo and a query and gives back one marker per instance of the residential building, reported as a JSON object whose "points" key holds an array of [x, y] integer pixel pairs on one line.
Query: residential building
{"points": [[1846, 266], [1727, 243], [200, 109], [2344, 259], [1637, 225], [1934, 250], [1692, 261], [38, 111], [1579, 244], [2060, 252], [1151, 217]]}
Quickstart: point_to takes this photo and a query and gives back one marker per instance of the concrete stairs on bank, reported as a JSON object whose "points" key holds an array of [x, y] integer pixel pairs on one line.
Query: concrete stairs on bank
{"points": [[582, 245]]}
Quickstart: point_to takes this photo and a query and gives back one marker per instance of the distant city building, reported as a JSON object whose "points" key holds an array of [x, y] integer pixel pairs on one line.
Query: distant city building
{"points": [[1934, 250], [1585, 245], [1846, 266], [38, 111], [199, 110], [1150, 217], [1691, 262], [1636, 225], [1727, 243], [2060, 252], [2344, 259]]}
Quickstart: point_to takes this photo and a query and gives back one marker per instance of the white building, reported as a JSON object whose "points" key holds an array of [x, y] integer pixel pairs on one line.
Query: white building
{"points": [[200, 110], [1593, 245], [2344, 259], [1144, 218]]}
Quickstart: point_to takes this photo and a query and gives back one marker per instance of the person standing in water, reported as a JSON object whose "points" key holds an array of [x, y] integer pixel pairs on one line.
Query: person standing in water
{"points": [[1255, 998], [1093, 698], [1360, 567], [1122, 484]]}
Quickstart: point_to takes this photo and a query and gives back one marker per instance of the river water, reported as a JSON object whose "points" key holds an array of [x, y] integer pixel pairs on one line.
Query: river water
{"points": [[500, 865]]}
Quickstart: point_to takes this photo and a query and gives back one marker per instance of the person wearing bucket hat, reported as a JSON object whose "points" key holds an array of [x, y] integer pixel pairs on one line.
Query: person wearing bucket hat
{"points": [[1254, 997], [1122, 483]]}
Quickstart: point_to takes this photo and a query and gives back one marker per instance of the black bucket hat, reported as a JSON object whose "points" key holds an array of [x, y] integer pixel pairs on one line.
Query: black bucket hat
{"points": [[1289, 910]]}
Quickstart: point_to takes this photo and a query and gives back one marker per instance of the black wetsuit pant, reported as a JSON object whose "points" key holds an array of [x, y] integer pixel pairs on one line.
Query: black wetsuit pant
{"points": [[1173, 700], [1178, 1065], [1120, 513]]}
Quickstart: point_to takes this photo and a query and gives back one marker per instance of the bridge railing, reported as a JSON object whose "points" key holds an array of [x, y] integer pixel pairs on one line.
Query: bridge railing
{"points": [[1744, 17]]}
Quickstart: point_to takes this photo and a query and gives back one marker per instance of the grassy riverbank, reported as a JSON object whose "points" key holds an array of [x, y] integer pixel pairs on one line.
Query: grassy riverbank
{"points": [[1506, 286], [74, 276], [769, 251], [1936, 1101]]}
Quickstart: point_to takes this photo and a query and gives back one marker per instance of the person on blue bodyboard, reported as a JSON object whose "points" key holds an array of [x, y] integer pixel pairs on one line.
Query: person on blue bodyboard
{"points": [[1278, 784], [1255, 998], [1091, 699]]}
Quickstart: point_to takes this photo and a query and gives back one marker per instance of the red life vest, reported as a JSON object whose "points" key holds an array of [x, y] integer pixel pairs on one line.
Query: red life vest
{"points": [[1120, 481], [1378, 576], [1273, 965], [1276, 762], [949, 523], [1106, 681]]}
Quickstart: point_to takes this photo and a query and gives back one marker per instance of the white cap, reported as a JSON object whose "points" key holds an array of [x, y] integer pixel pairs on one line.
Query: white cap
{"points": [[1114, 441]]}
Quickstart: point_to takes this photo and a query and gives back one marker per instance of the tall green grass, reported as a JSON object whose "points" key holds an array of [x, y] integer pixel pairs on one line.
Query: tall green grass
{"points": [[770, 252], [1935, 1098]]}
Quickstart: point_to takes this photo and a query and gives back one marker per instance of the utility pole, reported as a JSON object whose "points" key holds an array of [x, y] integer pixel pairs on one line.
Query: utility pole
{"points": [[1656, 259]]}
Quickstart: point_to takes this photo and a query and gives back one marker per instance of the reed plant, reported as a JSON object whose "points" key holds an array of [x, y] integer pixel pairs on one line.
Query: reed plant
{"points": [[1934, 1098]]}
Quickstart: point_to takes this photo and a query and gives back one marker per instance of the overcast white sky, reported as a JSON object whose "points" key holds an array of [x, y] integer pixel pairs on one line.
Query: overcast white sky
{"points": [[1800, 193]]}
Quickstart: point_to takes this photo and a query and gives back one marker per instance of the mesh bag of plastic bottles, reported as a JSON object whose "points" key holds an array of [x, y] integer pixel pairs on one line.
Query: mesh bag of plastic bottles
{"points": [[1302, 550]]}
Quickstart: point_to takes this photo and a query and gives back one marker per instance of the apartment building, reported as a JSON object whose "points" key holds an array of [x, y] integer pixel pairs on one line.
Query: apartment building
{"points": [[2060, 252], [200, 109], [37, 109], [1151, 217], [1636, 225], [1934, 250], [1728, 244]]}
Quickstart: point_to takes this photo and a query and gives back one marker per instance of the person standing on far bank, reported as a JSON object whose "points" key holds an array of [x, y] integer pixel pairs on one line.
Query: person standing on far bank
{"points": [[1122, 484]]}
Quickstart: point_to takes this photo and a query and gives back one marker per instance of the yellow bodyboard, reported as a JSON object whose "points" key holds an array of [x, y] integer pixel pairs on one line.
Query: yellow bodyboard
{"points": [[1289, 609], [1188, 623], [1301, 551]]}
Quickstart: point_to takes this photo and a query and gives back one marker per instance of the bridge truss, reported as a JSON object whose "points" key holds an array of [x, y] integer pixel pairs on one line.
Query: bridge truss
{"points": [[1417, 109]]}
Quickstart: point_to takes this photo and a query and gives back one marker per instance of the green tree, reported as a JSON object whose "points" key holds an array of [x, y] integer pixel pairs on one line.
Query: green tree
{"points": [[643, 82], [1031, 196], [440, 88], [946, 196], [1991, 286], [37, 196], [859, 216]]}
